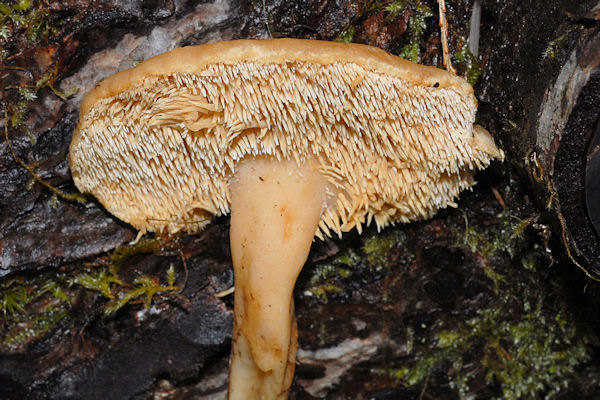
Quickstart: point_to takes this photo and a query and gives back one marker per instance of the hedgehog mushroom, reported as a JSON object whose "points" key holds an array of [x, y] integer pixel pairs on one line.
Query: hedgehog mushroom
{"points": [[297, 138]]}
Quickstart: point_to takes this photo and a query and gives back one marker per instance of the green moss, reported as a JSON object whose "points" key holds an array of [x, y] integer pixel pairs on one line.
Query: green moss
{"points": [[467, 62], [396, 8], [33, 306], [411, 51], [28, 94], [346, 35], [417, 24], [106, 280], [33, 326], [16, 295], [326, 277], [503, 236], [372, 261], [493, 275], [119, 292], [144, 246], [419, 13], [30, 309], [321, 291], [143, 287], [23, 18], [378, 246], [99, 281], [527, 357], [32, 21], [347, 258], [529, 343], [15, 9], [341, 266], [323, 276], [376, 249], [561, 42], [526, 343], [13, 298]]}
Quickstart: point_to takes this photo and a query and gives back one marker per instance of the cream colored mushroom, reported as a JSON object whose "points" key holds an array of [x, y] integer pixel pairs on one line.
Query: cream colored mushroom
{"points": [[297, 138]]}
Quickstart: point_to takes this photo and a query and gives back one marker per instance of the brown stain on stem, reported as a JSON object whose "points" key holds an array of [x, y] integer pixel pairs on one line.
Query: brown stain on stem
{"points": [[288, 222]]}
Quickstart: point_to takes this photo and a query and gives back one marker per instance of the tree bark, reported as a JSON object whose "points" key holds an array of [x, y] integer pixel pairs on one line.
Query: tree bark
{"points": [[467, 304]]}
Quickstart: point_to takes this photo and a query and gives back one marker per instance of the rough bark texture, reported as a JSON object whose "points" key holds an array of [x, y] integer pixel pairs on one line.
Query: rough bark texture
{"points": [[480, 302], [541, 84]]}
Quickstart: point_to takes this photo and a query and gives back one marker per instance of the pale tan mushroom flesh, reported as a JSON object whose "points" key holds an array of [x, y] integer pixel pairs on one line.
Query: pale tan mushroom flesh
{"points": [[275, 210], [297, 138]]}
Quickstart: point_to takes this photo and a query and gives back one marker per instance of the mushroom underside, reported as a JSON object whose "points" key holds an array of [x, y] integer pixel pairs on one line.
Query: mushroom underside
{"points": [[395, 151]]}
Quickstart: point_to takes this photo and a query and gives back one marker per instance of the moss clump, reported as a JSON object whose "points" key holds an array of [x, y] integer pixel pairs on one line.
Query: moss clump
{"points": [[535, 355], [417, 23], [31, 309], [560, 43], [532, 356], [321, 291], [505, 235], [341, 274], [377, 248], [28, 327], [325, 277], [13, 298], [418, 14], [143, 288], [99, 281], [525, 343], [24, 18], [468, 64], [156, 245], [346, 35]]}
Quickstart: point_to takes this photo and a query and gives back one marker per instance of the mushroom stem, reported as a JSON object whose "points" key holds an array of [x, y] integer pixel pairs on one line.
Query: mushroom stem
{"points": [[275, 210]]}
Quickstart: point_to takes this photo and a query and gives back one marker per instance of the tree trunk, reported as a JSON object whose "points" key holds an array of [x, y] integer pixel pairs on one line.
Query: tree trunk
{"points": [[485, 301]]}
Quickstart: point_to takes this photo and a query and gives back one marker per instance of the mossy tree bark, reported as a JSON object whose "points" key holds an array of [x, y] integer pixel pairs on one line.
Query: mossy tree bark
{"points": [[465, 304]]}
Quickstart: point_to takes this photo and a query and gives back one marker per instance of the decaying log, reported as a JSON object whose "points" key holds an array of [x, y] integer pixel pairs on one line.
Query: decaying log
{"points": [[464, 305]]}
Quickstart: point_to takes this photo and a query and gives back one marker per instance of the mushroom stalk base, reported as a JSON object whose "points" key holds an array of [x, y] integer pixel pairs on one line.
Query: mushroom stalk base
{"points": [[275, 210]]}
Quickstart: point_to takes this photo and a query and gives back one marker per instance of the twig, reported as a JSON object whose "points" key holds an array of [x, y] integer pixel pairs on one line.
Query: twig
{"points": [[498, 197], [55, 191], [266, 17], [185, 267], [566, 244], [444, 32], [423, 391], [225, 292]]}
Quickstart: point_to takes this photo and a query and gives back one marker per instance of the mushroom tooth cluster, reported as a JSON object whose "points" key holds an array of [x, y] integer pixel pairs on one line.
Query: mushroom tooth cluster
{"points": [[160, 153]]}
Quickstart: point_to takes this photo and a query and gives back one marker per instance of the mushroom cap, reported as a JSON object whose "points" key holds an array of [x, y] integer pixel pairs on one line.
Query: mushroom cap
{"points": [[159, 143]]}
